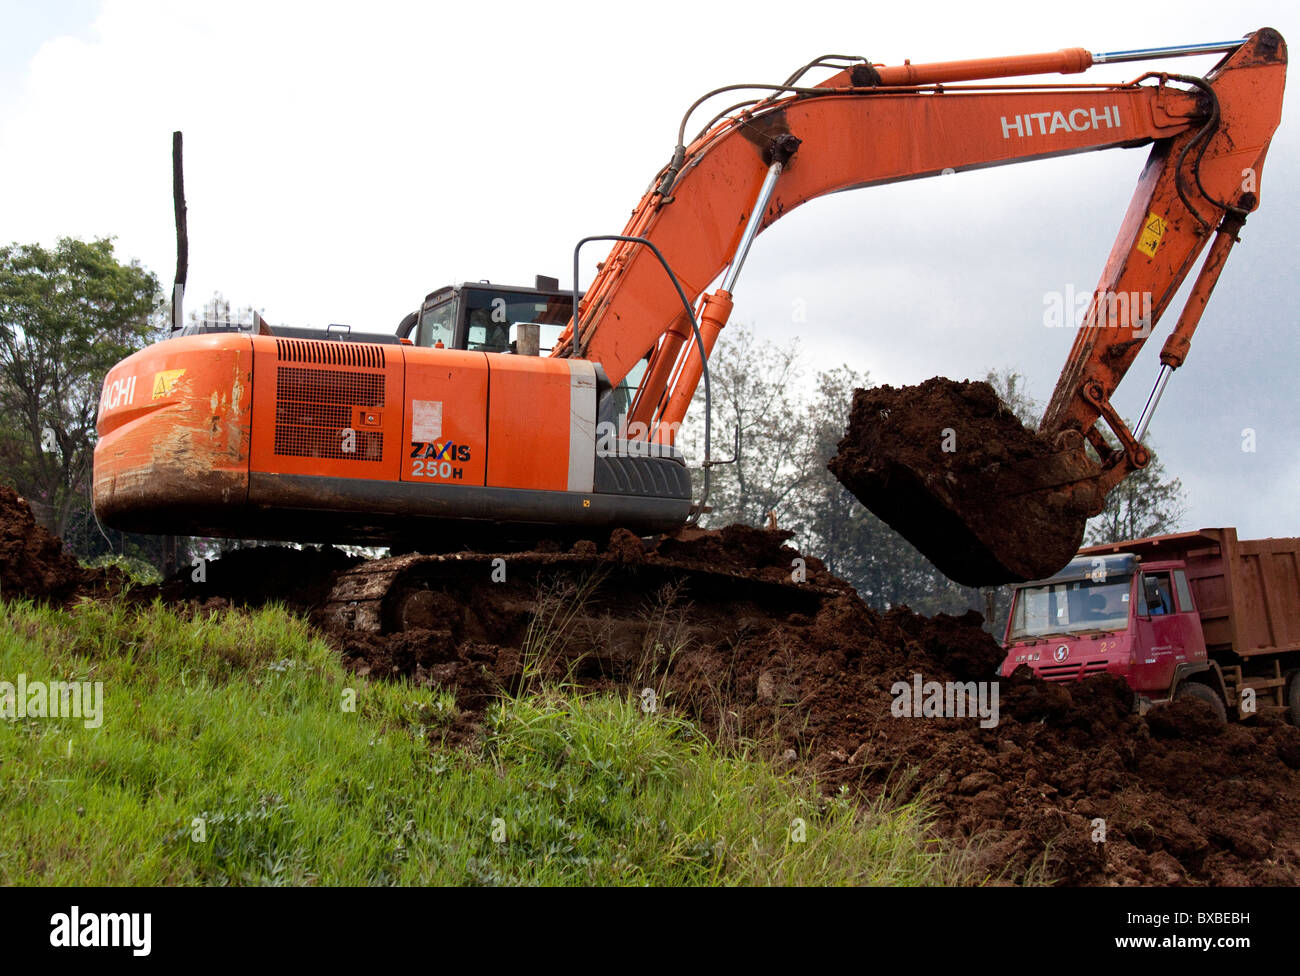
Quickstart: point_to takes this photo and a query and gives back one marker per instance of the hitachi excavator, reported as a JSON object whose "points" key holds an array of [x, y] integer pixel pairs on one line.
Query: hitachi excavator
{"points": [[458, 429]]}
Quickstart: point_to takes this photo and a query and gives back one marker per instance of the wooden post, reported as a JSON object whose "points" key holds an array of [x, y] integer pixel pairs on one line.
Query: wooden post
{"points": [[178, 298], [182, 234]]}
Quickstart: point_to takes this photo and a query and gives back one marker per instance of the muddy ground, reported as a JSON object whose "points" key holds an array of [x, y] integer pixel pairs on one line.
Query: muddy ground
{"points": [[807, 670], [33, 563], [934, 460]]}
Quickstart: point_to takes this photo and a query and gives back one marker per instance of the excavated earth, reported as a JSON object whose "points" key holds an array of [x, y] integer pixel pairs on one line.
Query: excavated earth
{"points": [[809, 673], [929, 459], [33, 563]]}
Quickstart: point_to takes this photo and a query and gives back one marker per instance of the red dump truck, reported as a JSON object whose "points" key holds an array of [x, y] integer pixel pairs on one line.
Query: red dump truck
{"points": [[1197, 614]]}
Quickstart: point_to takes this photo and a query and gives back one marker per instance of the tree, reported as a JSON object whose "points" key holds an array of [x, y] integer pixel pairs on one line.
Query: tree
{"points": [[788, 434], [755, 387], [217, 310], [67, 314], [1011, 389], [855, 545], [1145, 503]]}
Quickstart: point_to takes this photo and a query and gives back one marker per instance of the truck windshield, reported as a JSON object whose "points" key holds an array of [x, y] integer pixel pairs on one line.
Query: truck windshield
{"points": [[1070, 606]]}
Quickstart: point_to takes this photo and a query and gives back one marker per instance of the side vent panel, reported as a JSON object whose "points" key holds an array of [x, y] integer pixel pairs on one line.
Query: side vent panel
{"points": [[358, 354], [315, 408]]}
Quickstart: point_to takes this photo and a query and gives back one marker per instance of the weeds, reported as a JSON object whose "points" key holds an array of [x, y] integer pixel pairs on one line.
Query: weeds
{"points": [[559, 606], [667, 634], [228, 756]]}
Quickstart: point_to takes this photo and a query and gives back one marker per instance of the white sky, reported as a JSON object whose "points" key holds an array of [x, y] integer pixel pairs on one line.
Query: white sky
{"points": [[342, 160]]}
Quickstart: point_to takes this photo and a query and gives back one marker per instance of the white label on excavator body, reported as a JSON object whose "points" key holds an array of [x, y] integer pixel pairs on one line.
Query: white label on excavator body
{"points": [[426, 420]]}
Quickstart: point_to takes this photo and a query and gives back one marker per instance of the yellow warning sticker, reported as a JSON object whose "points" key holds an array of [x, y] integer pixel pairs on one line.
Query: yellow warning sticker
{"points": [[1152, 231], [165, 381]]}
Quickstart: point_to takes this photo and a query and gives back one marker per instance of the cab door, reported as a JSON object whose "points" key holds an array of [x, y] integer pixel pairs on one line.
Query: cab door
{"points": [[1168, 631]]}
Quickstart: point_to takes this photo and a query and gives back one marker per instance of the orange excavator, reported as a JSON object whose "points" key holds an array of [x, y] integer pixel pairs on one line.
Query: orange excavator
{"points": [[458, 429]]}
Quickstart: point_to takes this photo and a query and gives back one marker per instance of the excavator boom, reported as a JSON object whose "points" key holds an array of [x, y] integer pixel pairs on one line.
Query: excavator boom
{"points": [[872, 124]]}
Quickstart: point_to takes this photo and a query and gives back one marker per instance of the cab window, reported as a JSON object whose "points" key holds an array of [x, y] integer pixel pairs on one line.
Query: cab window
{"points": [[626, 392], [491, 316], [1156, 594], [486, 335], [437, 325], [547, 337]]}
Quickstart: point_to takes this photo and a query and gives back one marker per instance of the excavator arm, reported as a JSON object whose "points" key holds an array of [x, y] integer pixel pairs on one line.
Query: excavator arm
{"points": [[871, 124]]}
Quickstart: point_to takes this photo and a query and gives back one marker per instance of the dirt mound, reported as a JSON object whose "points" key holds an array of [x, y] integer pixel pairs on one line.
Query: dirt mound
{"points": [[1177, 801], [762, 553], [933, 461], [33, 563], [1068, 785]]}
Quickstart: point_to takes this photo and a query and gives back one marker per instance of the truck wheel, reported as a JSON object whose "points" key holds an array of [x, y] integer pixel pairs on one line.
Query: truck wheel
{"points": [[1200, 692], [1294, 698]]}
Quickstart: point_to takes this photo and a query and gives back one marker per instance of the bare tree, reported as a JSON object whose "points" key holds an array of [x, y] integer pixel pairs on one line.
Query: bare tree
{"points": [[790, 430], [756, 389], [1011, 388]]}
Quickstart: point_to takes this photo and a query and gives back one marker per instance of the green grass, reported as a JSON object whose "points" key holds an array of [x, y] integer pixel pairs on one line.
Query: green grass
{"points": [[236, 723], [137, 570]]}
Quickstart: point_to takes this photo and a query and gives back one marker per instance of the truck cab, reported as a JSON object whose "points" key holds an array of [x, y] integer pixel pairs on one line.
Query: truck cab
{"points": [[1109, 613]]}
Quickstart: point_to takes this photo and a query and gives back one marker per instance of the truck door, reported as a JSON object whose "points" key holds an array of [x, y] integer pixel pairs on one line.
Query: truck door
{"points": [[1168, 632], [1188, 620]]}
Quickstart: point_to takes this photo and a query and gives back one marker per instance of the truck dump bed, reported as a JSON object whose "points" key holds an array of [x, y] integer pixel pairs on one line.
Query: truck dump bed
{"points": [[1247, 592]]}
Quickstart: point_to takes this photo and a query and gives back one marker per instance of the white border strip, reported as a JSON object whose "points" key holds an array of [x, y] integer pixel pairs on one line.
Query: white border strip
{"points": [[582, 425]]}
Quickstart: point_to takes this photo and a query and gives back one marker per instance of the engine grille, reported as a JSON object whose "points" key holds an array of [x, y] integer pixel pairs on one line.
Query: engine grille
{"points": [[365, 355], [315, 409]]}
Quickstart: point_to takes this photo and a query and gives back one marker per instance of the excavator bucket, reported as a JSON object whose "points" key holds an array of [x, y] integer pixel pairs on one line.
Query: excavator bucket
{"points": [[953, 471]]}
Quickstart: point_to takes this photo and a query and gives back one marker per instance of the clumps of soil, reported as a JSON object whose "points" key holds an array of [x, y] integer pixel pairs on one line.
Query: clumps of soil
{"points": [[1070, 785], [741, 549], [934, 462], [33, 563], [1178, 799]]}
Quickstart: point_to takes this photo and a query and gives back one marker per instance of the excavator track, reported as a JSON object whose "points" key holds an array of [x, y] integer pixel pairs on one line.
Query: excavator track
{"points": [[629, 611], [486, 595]]}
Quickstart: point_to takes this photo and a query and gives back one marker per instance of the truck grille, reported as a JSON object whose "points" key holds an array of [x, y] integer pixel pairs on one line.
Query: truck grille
{"points": [[1071, 672], [315, 410]]}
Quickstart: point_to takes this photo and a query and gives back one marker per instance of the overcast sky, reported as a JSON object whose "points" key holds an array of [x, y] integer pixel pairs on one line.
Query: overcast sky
{"points": [[342, 160]]}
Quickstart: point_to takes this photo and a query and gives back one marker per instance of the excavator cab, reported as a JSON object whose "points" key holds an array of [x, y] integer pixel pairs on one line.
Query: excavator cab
{"points": [[483, 317]]}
